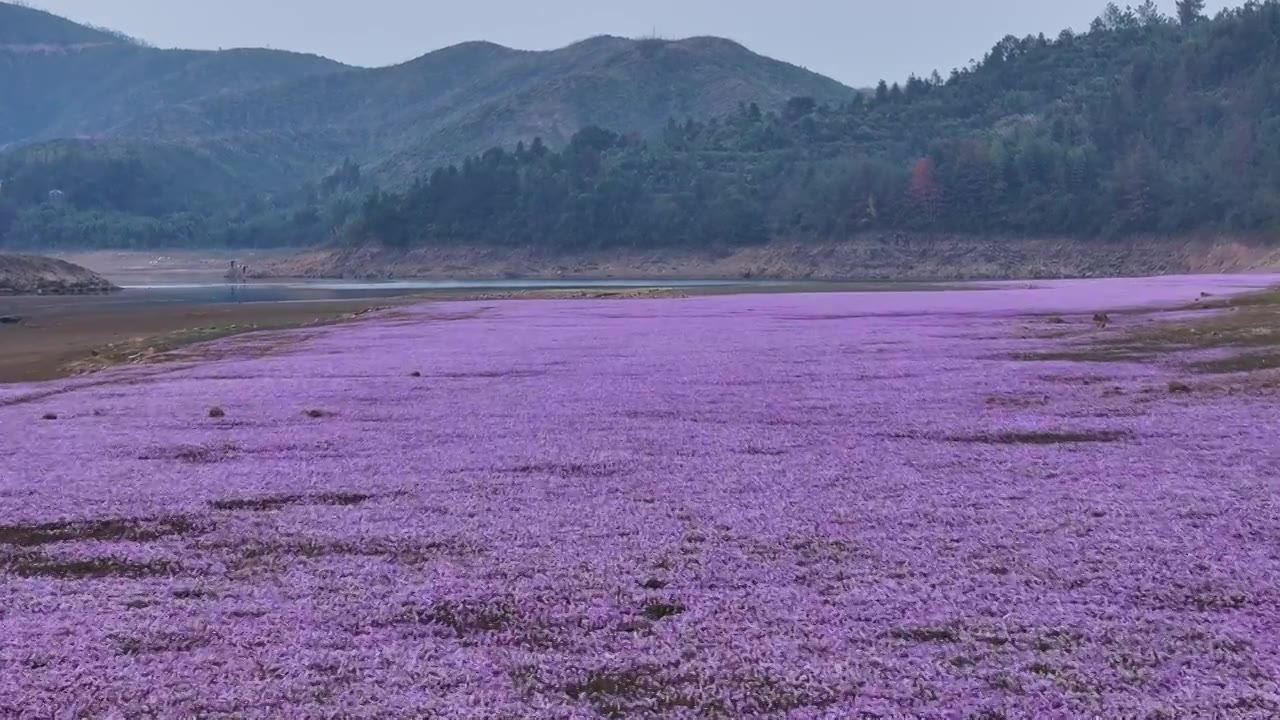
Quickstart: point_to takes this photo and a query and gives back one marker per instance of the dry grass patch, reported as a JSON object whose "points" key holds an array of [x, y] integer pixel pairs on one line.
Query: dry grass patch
{"points": [[276, 502], [37, 564], [1247, 327], [193, 454], [569, 470], [1043, 437], [111, 530], [1243, 363]]}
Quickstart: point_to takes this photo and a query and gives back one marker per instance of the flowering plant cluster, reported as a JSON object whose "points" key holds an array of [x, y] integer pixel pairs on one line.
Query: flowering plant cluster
{"points": [[792, 506]]}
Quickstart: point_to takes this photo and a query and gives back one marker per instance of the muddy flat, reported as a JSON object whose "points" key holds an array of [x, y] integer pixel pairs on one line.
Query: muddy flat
{"points": [[175, 300], [58, 336]]}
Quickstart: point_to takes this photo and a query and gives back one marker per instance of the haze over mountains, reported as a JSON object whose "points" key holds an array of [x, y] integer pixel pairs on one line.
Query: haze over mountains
{"points": [[59, 79], [62, 80]]}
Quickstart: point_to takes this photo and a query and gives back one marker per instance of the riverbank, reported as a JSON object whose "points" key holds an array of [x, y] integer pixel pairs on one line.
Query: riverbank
{"points": [[869, 257], [60, 337], [71, 338], [36, 275], [55, 337]]}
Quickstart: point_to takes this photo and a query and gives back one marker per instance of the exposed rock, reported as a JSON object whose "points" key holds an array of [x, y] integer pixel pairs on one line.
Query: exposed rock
{"points": [[33, 275]]}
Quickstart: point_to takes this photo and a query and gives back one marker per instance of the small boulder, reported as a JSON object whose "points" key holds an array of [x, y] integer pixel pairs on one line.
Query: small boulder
{"points": [[217, 412], [1179, 388]]}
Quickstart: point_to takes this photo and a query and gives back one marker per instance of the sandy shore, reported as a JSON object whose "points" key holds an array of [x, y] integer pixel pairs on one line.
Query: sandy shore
{"points": [[62, 336], [65, 336], [870, 257], [58, 339]]}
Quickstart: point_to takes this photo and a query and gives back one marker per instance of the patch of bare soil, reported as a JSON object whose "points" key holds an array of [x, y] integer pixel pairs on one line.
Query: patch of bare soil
{"points": [[76, 338], [1230, 345], [35, 275], [871, 256]]}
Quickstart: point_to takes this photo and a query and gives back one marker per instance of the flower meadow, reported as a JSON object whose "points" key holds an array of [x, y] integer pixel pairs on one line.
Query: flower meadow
{"points": [[773, 506]]}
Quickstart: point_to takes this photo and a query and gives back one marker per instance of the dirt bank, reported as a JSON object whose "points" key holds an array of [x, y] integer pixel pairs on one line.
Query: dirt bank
{"points": [[31, 274], [58, 337], [135, 267], [868, 257], [76, 337]]}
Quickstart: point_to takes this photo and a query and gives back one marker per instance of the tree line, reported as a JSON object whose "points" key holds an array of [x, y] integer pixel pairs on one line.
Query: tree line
{"points": [[1144, 124]]}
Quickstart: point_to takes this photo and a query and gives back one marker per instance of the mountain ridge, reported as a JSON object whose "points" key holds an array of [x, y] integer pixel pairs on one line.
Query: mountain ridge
{"points": [[458, 100], [313, 112], [22, 25]]}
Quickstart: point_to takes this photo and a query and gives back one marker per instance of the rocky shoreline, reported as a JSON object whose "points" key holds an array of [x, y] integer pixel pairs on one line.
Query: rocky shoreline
{"points": [[871, 257], [35, 275]]}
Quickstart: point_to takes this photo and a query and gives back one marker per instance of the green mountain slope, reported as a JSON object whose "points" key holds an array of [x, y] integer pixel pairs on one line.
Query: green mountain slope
{"points": [[1142, 126], [59, 79], [287, 119], [24, 26], [463, 99]]}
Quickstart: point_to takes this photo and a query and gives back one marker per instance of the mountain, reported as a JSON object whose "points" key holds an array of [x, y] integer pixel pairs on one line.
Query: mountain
{"points": [[62, 80], [24, 26], [1142, 127], [463, 99], [59, 79], [138, 141]]}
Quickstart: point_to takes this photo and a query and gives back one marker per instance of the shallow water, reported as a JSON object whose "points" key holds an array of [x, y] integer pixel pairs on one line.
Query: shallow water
{"points": [[301, 290]]}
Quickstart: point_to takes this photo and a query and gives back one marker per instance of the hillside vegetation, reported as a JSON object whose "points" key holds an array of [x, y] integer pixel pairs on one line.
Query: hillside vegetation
{"points": [[1145, 125], [466, 98], [59, 79], [24, 26]]}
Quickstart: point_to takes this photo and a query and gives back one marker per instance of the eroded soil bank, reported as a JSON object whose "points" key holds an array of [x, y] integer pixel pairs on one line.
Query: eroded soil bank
{"points": [[883, 256], [31, 274]]}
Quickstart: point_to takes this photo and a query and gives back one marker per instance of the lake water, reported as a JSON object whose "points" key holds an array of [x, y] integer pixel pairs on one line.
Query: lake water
{"points": [[305, 290], [165, 289]]}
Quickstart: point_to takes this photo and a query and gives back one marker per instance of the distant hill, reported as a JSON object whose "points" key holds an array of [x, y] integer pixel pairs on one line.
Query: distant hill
{"points": [[63, 80], [1146, 126], [21, 25], [463, 99], [144, 146], [59, 79]]}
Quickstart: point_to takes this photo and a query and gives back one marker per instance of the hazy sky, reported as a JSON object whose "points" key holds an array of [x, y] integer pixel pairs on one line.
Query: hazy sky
{"points": [[855, 41]]}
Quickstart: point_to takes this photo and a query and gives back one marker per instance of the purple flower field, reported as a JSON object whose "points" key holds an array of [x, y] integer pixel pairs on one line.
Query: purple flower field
{"points": [[790, 506]]}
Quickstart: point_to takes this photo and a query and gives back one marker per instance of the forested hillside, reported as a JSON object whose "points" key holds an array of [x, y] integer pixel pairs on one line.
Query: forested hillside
{"points": [[301, 114], [1144, 124], [59, 79], [463, 99]]}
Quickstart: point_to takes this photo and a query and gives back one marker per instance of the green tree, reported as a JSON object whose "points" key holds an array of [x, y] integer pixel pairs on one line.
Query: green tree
{"points": [[1190, 11]]}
